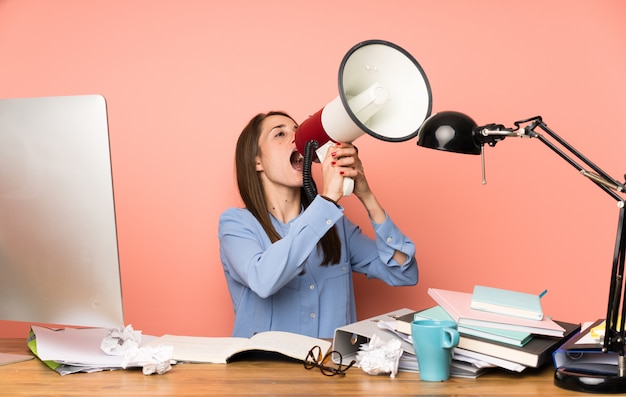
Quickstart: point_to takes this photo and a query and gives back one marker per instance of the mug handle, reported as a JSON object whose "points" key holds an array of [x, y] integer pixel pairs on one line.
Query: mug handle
{"points": [[450, 338]]}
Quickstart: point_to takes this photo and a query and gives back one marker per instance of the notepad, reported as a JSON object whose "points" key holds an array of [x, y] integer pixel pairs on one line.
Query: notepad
{"points": [[508, 302]]}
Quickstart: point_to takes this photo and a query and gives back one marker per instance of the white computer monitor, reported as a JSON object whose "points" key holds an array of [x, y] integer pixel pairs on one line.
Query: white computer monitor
{"points": [[59, 260]]}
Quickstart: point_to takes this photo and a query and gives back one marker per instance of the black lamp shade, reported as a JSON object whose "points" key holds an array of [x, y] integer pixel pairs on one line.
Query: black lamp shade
{"points": [[449, 131]]}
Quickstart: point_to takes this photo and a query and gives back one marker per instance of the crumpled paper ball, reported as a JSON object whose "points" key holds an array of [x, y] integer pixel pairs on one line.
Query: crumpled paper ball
{"points": [[153, 360], [379, 357], [121, 341], [127, 342]]}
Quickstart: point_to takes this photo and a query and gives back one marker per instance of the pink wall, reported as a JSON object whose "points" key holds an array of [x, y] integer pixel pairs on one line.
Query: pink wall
{"points": [[182, 77]]}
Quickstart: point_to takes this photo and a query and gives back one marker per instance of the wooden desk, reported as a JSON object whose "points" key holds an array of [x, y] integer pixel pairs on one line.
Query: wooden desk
{"points": [[259, 377]]}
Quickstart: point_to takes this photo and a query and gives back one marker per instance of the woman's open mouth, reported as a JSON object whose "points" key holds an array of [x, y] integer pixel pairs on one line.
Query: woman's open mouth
{"points": [[296, 160]]}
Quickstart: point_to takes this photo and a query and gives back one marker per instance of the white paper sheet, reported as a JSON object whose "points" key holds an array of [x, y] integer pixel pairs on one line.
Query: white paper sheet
{"points": [[77, 346]]}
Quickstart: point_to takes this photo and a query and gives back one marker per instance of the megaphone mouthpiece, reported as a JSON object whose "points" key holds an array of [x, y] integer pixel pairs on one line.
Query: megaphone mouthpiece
{"points": [[369, 102]]}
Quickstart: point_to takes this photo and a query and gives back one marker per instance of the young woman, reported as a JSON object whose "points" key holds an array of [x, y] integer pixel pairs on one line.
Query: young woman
{"points": [[288, 262]]}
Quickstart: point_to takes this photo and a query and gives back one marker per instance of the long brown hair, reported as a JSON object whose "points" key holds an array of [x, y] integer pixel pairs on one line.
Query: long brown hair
{"points": [[251, 187]]}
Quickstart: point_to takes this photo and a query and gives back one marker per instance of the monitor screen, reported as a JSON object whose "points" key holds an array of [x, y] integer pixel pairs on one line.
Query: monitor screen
{"points": [[58, 241]]}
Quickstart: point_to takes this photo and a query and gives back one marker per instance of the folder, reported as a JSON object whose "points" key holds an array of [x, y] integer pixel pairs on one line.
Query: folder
{"points": [[348, 339]]}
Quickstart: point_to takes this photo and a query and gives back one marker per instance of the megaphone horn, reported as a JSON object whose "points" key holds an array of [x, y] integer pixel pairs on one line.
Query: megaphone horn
{"points": [[383, 91]]}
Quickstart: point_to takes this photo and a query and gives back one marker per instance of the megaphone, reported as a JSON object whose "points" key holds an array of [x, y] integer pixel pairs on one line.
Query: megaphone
{"points": [[383, 91]]}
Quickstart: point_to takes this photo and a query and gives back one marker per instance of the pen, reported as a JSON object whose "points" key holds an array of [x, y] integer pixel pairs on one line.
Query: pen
{"points": [[545, 291]]}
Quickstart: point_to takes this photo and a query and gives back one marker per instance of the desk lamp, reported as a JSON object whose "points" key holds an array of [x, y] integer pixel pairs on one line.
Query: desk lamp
{"points": [[456, 132]]}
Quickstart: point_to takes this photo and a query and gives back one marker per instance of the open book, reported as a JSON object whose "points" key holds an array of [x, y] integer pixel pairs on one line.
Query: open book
{"points": [[200, 349]]}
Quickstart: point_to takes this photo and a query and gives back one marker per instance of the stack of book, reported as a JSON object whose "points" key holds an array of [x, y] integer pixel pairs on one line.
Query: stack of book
{"points": [[352, 340], [512, 342]]}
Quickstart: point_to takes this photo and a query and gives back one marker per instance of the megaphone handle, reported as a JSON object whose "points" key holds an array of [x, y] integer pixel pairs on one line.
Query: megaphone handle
{"points": [[348, 183], [348, 186], [322, 150]]}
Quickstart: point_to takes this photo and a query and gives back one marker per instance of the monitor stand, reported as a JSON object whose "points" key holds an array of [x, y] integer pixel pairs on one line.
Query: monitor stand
{"points": [[10, 358]]}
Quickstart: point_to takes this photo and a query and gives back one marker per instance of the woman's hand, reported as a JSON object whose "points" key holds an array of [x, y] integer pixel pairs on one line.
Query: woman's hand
{"points": [[342, 160]]}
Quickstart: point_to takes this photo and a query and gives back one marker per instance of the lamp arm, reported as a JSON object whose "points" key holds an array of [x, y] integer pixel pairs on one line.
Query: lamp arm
{"points": [[615, 334], [601, 178]]}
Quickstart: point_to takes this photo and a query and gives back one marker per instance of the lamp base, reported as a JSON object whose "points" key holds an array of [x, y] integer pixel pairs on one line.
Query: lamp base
{"points": [[582, 381]]}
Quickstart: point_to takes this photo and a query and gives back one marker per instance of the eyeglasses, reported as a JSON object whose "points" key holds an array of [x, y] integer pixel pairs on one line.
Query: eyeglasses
{"points": [[325, 364]]}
